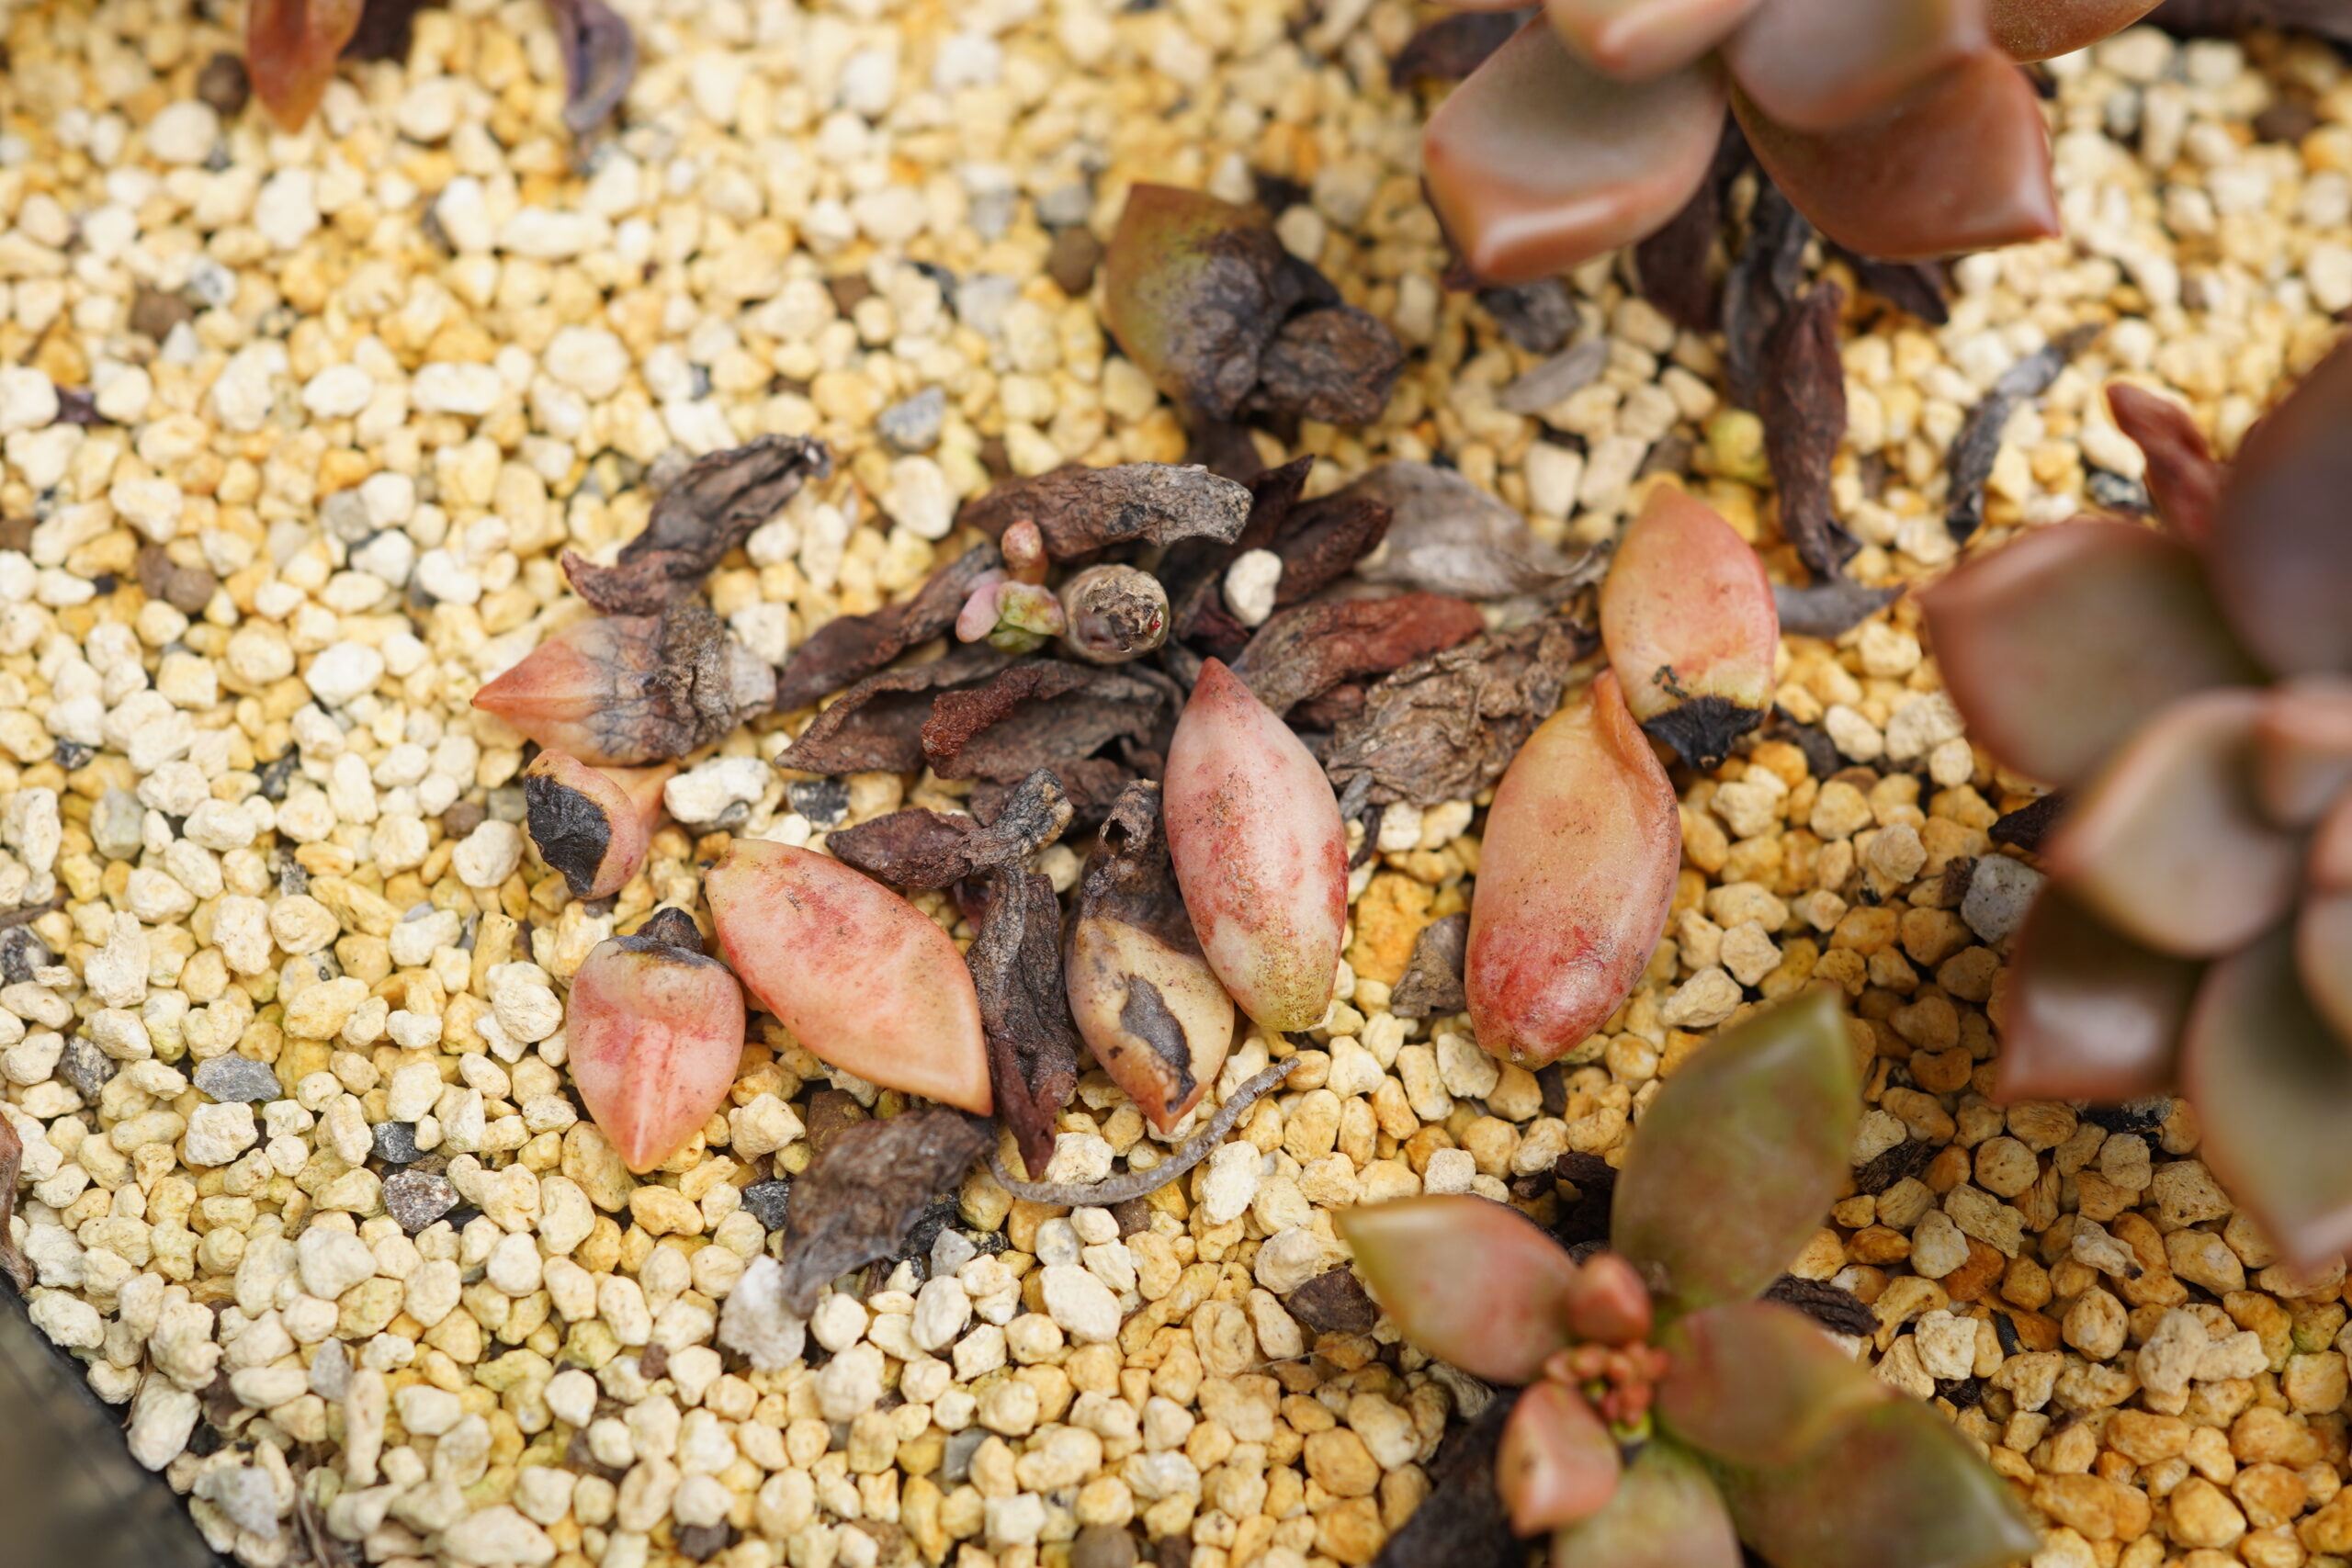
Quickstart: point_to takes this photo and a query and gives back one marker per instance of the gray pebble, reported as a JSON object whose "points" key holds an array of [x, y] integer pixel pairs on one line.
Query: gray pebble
{"points": [[2000, 891], [113, 824], [330, 1371], [769, 1202], [416, 1199], [825, 802], [913, 425], [85, 1066], [1102, 1546], [235, 1077], [950, 1251], [345, 516], [955, 1462], [1065, 204], [506, 803], [396, 1143], [1569, 371]]}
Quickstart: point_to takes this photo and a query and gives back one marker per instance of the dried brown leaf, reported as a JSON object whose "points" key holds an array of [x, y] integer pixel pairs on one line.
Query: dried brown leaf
{"points": [[12, 1160], [1041, 714], [1432, 984], [1321, 542], [866, 1188], [1446, 535], [1336, 364], [1306, 651], [711, 509], [1462, 1523], [290, 50], [1802, 404], [922, 850], [1764, 277], [1090, 783], [1829, 608], [849, 647], [599, 61], [1453, 46], [1081, 511], [1016, 964], [1446, 727], [1334, 1302], [1970, 463], [878, 724], [2328, 18]]}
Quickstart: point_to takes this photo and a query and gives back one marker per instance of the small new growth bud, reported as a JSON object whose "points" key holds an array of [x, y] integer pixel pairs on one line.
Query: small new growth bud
{"points": [[1014, 616], [1024, 552], [1114, 614]]}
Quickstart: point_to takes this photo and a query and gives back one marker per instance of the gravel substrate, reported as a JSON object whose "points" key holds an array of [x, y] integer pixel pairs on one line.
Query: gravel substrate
{"points": [[303, 1184]]}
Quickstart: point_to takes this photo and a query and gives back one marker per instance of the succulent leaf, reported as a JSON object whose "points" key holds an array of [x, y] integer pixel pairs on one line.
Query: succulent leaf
{"points": [[1687, 617], [864, 978], [1608, 1303], [655, 1033], [2038, 30], [1576, 880], [592, 824], [2272, 1084], [1636, 39], [1963, 163], [1666, 1513], [1818, 66], [1193, 289], [1757, 1383], [2086, 1013], [1537, 162], [1894, 1485], [2281, 556], [1739, 1157], [2168, 844], [2184, 481], [2329, 864], [622, 690], [1470, 1281], [1558, 1462], [1260, 851], [290, 50], [2303, 749], [2323, 956], [2060, 644]]}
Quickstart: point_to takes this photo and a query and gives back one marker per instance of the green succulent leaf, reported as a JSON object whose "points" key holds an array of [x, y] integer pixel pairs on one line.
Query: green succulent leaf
{"points": [[2088, 1014], [2303, 749], [1558, 1462], [2036, 30], [2183, 480], [2281, 558], [1667, 1514], [1738, 1158], [1756, 1383], [1538, 162], [2168, 844], [1636, 39], [1473, 1282], [2058, 647], [1818, 66], [1961, 165], [1894, 1485], [2272, 1087]]}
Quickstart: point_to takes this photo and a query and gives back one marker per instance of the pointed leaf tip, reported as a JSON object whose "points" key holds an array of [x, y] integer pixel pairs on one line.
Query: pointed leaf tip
{"points": [[1757, 1384], [2184, 481], [1738, 1158], [292, 47], [2086, 1013], [1470, 1281], [2040, 30], [2281, 556], [1558, 1463]]}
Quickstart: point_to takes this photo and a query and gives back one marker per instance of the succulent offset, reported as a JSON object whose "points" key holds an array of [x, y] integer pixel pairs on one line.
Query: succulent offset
{"points": [[1900, 128], [2190, 689], [1668, 1416]]}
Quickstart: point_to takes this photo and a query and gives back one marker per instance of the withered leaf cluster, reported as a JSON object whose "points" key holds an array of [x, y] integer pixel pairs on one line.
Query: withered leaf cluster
{"points": [[868, 1184], [1313, 650], [923, 850], [1802, 404], [1082, 512], [849, 647], [711, 510], [1446, 535], [1463, 1523], [1016, 963]]}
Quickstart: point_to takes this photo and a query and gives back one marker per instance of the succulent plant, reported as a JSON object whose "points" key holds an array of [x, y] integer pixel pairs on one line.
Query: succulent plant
{"points": [[655, 1031], [2188, 689], [593, 825], [1900, 128], [1669, 1415]]}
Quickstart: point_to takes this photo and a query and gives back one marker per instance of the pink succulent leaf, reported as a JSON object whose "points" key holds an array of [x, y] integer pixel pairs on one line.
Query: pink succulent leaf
{"points": [[2058, 647], [2184, 481], [2281, 558], [977, 617], [1558, 1462], [2329, 863], [1666, 1514], [2085, 1013], [2323, 956], [1818, 66], [1470, 1281], [1738, 1158], [1636, 39], [2168, 844], [2039, 30], [1961, 165], [2271, 1084], [2303, 749], [1538, 163], [655, 1031], [1576, 880], [1608, 1303], [1757, 1383], [1687, 617], [1894, 1485]]}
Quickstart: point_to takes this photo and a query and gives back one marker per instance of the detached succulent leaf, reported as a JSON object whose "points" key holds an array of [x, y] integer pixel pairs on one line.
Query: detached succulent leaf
{"points": [[1538, 163], [1666, 1514], [2168, 846], [1576, 880], [1961, 165], [1558, 1462], [1639, 38], [866, 981], [2088, 1013], [1757, 1383], [2184, 481], [1818, 66], [1470, 1281], [1894, 1485], [592, 825], [290, 50], [1740, 1155], [1687, 616], [2272, 1084], [655, 1031], [2039, 30], [711, 510], [1260, 851], [2281, 556], [2303, 749], [622, 689], [2060, 644]]}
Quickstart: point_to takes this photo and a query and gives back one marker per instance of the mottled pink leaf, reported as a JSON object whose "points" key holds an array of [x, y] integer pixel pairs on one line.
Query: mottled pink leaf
{"points": [[2088, 1014], [1758, 1384], [2272, 1087], [1819, 65], [1735, 1163], [1636, 39], [2058, 646], [1666, 1514], [1687, 616], [1537, 162], [1608, 1303], [2036, 30], [2280, 555], [1470, 1281], [2168, 844], [1558, 1463], [655, 1031]]}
